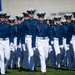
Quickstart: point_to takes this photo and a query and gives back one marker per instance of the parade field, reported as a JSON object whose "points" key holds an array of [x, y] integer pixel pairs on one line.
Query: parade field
{"points": [[50, 71]]}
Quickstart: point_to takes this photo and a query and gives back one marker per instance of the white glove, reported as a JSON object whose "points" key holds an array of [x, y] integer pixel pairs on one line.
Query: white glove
{"points": [[34, 48], [11, 46], [61, 46], [71, 41], [18, 46], [50, 48], [23, 46], [52, 42], [67, 47]]}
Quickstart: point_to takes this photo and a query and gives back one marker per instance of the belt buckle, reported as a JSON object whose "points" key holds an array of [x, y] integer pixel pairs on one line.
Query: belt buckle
{"points": [[3, 38], [43, 37]]}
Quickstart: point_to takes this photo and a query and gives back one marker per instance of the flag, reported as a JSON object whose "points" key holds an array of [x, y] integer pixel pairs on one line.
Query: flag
{"points": [[0, 5]]}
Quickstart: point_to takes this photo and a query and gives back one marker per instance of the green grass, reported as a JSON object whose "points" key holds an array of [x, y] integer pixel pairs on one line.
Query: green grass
{"points": [[50, 71]]}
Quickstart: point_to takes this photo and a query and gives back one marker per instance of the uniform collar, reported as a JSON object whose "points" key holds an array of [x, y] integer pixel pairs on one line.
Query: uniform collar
{"points": [[31, 18], [68, 23], [57, 24], [3, 22]]}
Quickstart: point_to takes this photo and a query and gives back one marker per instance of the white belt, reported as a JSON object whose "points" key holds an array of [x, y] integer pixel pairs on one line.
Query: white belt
{"points": [[42, 38], [28, 35], [55, 38], [3, 39]]}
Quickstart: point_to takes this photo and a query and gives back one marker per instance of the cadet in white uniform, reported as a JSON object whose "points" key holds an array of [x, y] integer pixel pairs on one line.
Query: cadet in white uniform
{"points": [[5, 37], [41, 40]]}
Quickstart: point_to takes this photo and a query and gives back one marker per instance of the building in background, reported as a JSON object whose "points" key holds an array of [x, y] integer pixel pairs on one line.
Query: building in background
{"points": [[15, 7]]}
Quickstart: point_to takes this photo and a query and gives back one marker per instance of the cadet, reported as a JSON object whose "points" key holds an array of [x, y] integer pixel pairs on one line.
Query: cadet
{"points": [[51, 50], [25, 15], [7, 18], [41, 40], [63, 22], [12, 46], [17, 27], [5, 37], [25, 51], [58, 29], [68, 36], [27, 32], [51, 21], [73, 39], [6, 21]]}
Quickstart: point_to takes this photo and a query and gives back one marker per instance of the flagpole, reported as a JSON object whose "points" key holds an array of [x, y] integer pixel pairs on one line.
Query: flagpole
{"points": [[0, 5]]}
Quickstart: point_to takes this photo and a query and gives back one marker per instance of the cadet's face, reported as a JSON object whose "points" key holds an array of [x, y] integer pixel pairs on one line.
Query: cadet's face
{"points": [[68, 20], [6, 19], [57, 22], [26, 18], [19, 21], [11, 24], [2, 19], [31, 15], [41, 19], [52, 24]]}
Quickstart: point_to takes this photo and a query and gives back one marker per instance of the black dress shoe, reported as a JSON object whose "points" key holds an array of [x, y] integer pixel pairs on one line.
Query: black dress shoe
{"points": [[20, 69], [9, 67], [6, 71], [27, 70], [14, 66], [58, 68], [34, 69], [31, 70]]}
